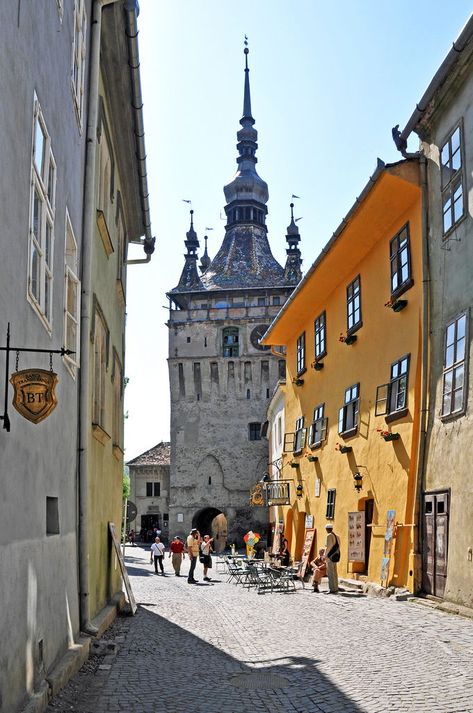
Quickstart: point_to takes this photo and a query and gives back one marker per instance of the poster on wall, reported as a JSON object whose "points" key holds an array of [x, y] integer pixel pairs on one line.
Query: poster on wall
{"points": [[278, 530], [388, 539], [356, 536], [306, 551]]}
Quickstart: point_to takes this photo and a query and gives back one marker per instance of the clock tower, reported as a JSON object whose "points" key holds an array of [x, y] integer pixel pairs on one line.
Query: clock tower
{"points": [[221, 377]]}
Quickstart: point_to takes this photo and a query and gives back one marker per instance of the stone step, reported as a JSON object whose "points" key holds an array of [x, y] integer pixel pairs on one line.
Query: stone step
{"points": [[351, 584]]}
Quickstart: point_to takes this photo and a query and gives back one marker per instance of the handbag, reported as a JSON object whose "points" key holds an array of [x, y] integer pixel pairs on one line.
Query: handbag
{"points": [[334, 554], [202, 558]]}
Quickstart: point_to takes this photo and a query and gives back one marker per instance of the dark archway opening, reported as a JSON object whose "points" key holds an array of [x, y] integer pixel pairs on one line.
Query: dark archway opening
{"points": [[211, 521]]}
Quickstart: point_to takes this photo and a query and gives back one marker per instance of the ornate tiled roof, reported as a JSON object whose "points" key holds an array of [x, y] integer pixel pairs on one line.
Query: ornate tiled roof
{"points": [[158, 455]]}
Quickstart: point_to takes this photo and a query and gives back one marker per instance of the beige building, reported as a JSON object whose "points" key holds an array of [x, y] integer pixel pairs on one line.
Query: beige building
{"points": [[149, 491], [443, 120]]}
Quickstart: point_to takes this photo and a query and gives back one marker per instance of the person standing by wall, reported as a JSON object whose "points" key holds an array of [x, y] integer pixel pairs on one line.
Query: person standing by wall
{"points": [[205, 558], [332, 556], [176, 552], [193, 543], [157, 553]]}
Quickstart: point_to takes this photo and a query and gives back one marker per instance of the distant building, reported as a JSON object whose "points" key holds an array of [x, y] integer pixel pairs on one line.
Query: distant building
{"points": [[443, 120], [221, 377], [149, 491]]}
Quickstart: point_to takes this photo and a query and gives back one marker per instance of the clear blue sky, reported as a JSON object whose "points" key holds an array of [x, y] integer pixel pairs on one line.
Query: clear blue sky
{"points": [[328, 82]]}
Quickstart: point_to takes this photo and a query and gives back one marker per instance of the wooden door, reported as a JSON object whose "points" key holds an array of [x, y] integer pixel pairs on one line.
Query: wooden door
{"points": [[369, 508], [435, 542]]}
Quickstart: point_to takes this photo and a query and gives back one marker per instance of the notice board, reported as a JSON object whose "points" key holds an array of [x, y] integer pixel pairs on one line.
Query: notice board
{"points": [[356, 536], [126, 581], [306, 551]]}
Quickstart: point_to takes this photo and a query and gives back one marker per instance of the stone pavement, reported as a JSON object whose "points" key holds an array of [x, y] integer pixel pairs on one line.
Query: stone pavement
{"points": [[219, 648]]}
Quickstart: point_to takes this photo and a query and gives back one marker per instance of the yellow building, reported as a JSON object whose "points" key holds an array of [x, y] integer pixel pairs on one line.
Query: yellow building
{"points": [[353, 330]]}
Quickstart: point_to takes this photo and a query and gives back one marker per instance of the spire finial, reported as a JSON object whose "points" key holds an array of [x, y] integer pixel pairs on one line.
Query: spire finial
{"points": [[292, 211], [192, 217], [247, 98]]}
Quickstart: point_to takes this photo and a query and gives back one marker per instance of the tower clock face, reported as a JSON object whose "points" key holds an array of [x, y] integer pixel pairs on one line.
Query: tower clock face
{"points": [[256, 335]]}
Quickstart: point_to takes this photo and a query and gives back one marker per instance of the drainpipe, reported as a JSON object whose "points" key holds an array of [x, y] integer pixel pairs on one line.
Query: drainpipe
{"points": [[424, 406], [86, 308], [131, 14]]}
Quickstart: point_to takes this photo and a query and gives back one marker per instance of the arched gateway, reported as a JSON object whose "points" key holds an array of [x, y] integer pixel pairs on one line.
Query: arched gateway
{"points": [[211, 521]]}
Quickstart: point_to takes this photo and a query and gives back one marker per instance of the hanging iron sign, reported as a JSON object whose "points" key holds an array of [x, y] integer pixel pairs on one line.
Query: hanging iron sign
{"points": [[34, 393]]}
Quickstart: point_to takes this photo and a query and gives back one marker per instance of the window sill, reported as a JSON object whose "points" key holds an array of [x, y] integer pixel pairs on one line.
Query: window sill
{"points": [[452, 416], [448, 235], [302, 371], [354, 329], [403, 288], [396, 415], [118, 452], [99, 434], [349, 434], [315, 446]]}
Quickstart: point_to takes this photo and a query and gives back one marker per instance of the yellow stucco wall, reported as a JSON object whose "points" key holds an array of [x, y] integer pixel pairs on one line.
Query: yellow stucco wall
{"points": [[389, 469]]}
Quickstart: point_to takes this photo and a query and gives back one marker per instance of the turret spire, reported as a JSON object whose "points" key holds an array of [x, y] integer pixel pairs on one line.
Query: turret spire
{"points": [[190, 277], [205, 260], [246, 95], [292, 271]]}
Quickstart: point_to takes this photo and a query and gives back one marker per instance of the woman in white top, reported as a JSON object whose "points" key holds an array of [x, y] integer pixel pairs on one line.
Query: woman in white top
{"points": [[205, 558], [157, 552]]}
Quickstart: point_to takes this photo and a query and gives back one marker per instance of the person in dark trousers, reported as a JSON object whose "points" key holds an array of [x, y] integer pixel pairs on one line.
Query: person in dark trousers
{"points": [[157, 553], [193, 548]]}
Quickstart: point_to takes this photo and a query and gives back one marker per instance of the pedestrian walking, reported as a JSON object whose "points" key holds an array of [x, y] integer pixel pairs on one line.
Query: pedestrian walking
{"points": [[157, 554], [332, 556], [176, 552], [319, 567], [205, 551], [193, 543]]}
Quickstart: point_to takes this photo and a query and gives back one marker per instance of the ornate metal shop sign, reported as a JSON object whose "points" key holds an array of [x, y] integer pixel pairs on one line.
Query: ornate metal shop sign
{"points": [[257, 495], [34, 393], [277, 492]]}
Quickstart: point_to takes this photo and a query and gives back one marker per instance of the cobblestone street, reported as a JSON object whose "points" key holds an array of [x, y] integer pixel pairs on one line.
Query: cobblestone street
{"points": [[216, 647]]}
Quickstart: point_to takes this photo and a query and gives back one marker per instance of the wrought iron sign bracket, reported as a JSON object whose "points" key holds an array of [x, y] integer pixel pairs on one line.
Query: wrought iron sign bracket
{"points": [[18, 350]]}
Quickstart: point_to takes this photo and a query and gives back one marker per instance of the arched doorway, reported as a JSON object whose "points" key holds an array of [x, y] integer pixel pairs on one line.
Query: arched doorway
{"points": [[211, 521]]}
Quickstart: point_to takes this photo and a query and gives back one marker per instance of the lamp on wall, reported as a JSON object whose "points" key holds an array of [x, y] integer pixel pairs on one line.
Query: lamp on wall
{"points": [[299, 490], [358, 478]]}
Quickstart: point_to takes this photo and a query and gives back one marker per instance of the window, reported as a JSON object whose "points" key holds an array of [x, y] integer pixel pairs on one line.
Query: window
{"points": [[254, 431], [391, 398], [318, 428], [451, 179], [320, 336], [282, 369], [261, 301], [121, 251], [454, 367], [230, 342], [52, 516], [105, 173], [153, 490], [348, 414], [42, 206], [299, 435], [330, 512], [117, 402], [78, 57], [71, 299], [400, 258], [276, 300], [354, 304], [100, 368], [300, 353]]}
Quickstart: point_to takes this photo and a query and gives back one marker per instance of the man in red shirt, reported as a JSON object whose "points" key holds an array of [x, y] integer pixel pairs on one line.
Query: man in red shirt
{"points": [[176, 551]]}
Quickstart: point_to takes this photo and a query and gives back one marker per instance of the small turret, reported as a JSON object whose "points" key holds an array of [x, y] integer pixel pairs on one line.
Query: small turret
{"points": [[205, 260], [190, 277], [292, 270]]}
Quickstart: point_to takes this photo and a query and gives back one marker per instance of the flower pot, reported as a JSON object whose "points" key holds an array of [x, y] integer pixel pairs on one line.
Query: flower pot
{"points": [[346, 449], [399, 305], [391, 437], [312, 459], [351, 339], [294, 465], [318, 366]]}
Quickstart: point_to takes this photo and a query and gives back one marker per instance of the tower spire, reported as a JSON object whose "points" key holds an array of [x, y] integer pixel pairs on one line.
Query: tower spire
{"points": [[246, 94], [205, 260], [190, 277]]}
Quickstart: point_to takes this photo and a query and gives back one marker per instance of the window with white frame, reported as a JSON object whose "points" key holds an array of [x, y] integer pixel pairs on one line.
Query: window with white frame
{"points": [[354, 304], [318, 428], [454, 366], [348, 414], [42, 209], [71, 299], [452, 181], [391, 398], [300, 353], [78, 57], [320, 336], [299, 435], [100, 369], [400, 259]]}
